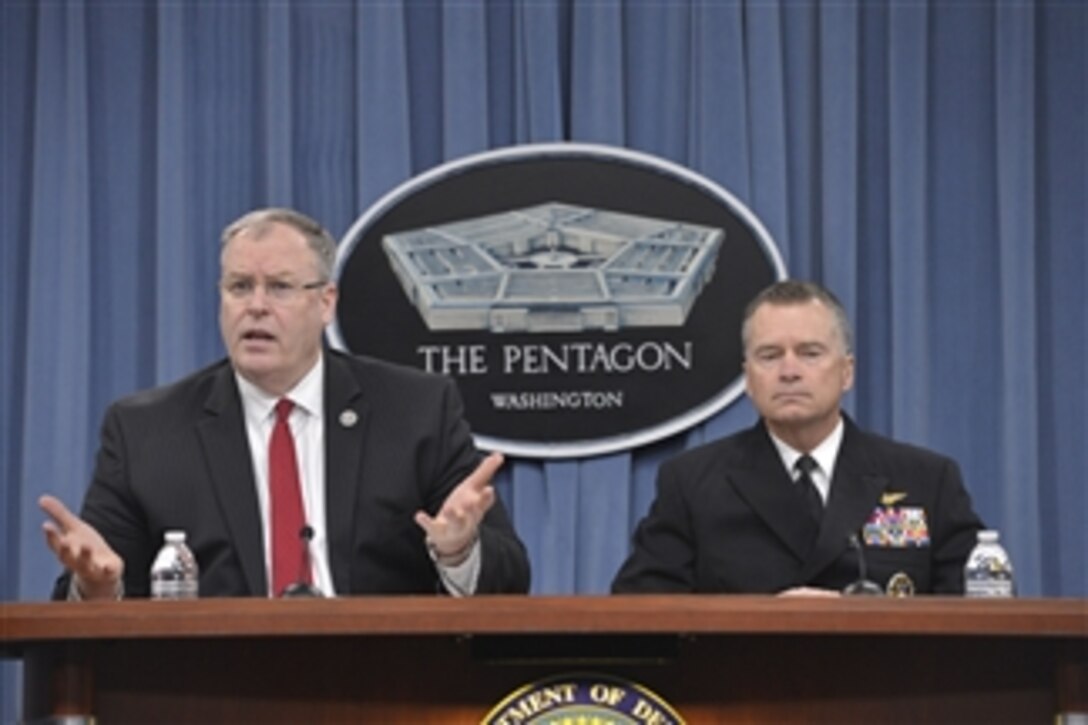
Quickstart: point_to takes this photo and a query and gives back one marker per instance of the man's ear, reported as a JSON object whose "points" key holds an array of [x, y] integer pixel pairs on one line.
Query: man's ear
{"points": [[329, 296], [848, 373]]}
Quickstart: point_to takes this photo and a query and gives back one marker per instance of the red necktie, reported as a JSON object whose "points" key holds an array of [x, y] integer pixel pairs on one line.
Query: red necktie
{"points": [[288, 559]]}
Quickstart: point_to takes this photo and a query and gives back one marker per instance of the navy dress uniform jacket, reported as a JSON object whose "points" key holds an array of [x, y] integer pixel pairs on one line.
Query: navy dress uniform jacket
{"points": [[727, 519]]}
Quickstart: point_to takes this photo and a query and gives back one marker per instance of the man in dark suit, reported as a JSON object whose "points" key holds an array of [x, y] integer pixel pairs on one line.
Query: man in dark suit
{"points": [[784, 506], [393, 494]]}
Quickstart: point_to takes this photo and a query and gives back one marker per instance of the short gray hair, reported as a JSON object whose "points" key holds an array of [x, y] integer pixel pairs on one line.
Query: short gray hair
{"points": [[797, 292], [317, 237]]}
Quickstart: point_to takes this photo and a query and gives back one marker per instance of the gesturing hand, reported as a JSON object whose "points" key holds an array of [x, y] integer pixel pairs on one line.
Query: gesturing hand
{"points": [[451, 532], [82, 550]]}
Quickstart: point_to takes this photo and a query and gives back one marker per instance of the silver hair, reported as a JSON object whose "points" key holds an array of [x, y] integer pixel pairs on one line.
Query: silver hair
{"points": [[796, 292], [317, 237]]}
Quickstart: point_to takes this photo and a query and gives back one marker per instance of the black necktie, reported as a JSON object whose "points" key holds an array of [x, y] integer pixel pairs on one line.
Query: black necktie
{"points": [[807, 487]]}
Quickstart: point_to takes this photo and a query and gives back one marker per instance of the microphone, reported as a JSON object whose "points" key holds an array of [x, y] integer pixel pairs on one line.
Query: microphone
{"points": [[862, 587], [302, 587]]}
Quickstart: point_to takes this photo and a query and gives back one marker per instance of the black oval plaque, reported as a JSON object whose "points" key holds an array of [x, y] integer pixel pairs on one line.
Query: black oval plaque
{"points": [[586, 298]]}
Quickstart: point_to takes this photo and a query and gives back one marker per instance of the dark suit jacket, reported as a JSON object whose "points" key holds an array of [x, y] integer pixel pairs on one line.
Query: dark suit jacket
{"points": [[178, 457], [727, 519]]}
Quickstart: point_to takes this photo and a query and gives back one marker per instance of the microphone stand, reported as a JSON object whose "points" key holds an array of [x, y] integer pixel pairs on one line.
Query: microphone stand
{"points": [[862, 587], [302, 588]]}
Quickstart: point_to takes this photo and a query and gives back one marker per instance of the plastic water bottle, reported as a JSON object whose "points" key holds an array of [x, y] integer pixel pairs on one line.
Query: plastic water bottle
{"points": [[174, 574], [988, 571]]}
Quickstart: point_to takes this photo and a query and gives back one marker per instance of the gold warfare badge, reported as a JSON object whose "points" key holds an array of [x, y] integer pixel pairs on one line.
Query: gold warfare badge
{"points": [[582, 699]]}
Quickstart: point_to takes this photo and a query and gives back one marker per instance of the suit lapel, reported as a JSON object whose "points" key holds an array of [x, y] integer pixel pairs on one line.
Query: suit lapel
{"points": [[347, 416], [764, 483], [223, 437], [854, 493]]}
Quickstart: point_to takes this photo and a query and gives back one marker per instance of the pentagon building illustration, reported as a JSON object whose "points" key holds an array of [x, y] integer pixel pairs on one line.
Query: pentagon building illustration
{"points": [[554, 268]]}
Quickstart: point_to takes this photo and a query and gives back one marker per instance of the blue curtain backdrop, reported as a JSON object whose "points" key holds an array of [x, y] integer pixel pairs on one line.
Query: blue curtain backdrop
{"points": [[926, 160]]}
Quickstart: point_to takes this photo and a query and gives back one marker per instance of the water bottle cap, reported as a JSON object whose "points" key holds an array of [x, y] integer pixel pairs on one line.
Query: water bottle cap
{"points": [[988, 536], [174, 537]]}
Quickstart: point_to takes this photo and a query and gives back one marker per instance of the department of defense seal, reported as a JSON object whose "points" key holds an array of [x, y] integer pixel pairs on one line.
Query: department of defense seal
{"points": [[579, 698]]}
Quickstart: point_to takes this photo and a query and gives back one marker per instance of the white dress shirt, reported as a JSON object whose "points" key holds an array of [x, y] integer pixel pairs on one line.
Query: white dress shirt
{"points": [[825, 455], [307, 423]]}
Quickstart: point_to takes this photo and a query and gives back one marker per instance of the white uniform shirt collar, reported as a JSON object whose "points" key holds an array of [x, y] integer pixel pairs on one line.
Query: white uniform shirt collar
{"points": [[826, 453]]}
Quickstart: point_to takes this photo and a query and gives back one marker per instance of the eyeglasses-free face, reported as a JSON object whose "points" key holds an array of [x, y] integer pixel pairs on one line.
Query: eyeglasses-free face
{"points": [[271, 321], [797, 369]]}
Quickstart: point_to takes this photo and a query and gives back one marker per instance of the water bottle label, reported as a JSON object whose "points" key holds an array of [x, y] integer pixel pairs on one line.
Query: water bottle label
{"points": [[989, 587], [173, 589]]}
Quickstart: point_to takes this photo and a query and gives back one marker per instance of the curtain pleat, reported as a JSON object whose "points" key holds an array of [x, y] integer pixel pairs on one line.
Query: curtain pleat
{"points": [[602, 502], [56, 350], [800, 48], [839, 146], [961, 327], [465, 79], [322, 105], [381, 101], [598, 82], [18, 53], [908, 229], [719, 144], [655, 77], [540, 67], [278, 92], [1016, 182], [1059, 310], [766, 107], [122, 213], [173, 288]]}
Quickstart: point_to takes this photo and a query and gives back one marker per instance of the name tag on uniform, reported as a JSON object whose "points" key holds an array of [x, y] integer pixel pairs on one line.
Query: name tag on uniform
{"points": [[896, 527]]}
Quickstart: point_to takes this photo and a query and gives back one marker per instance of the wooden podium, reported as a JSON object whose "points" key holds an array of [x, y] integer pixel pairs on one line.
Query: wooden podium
{"points": [[714, 659]]}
